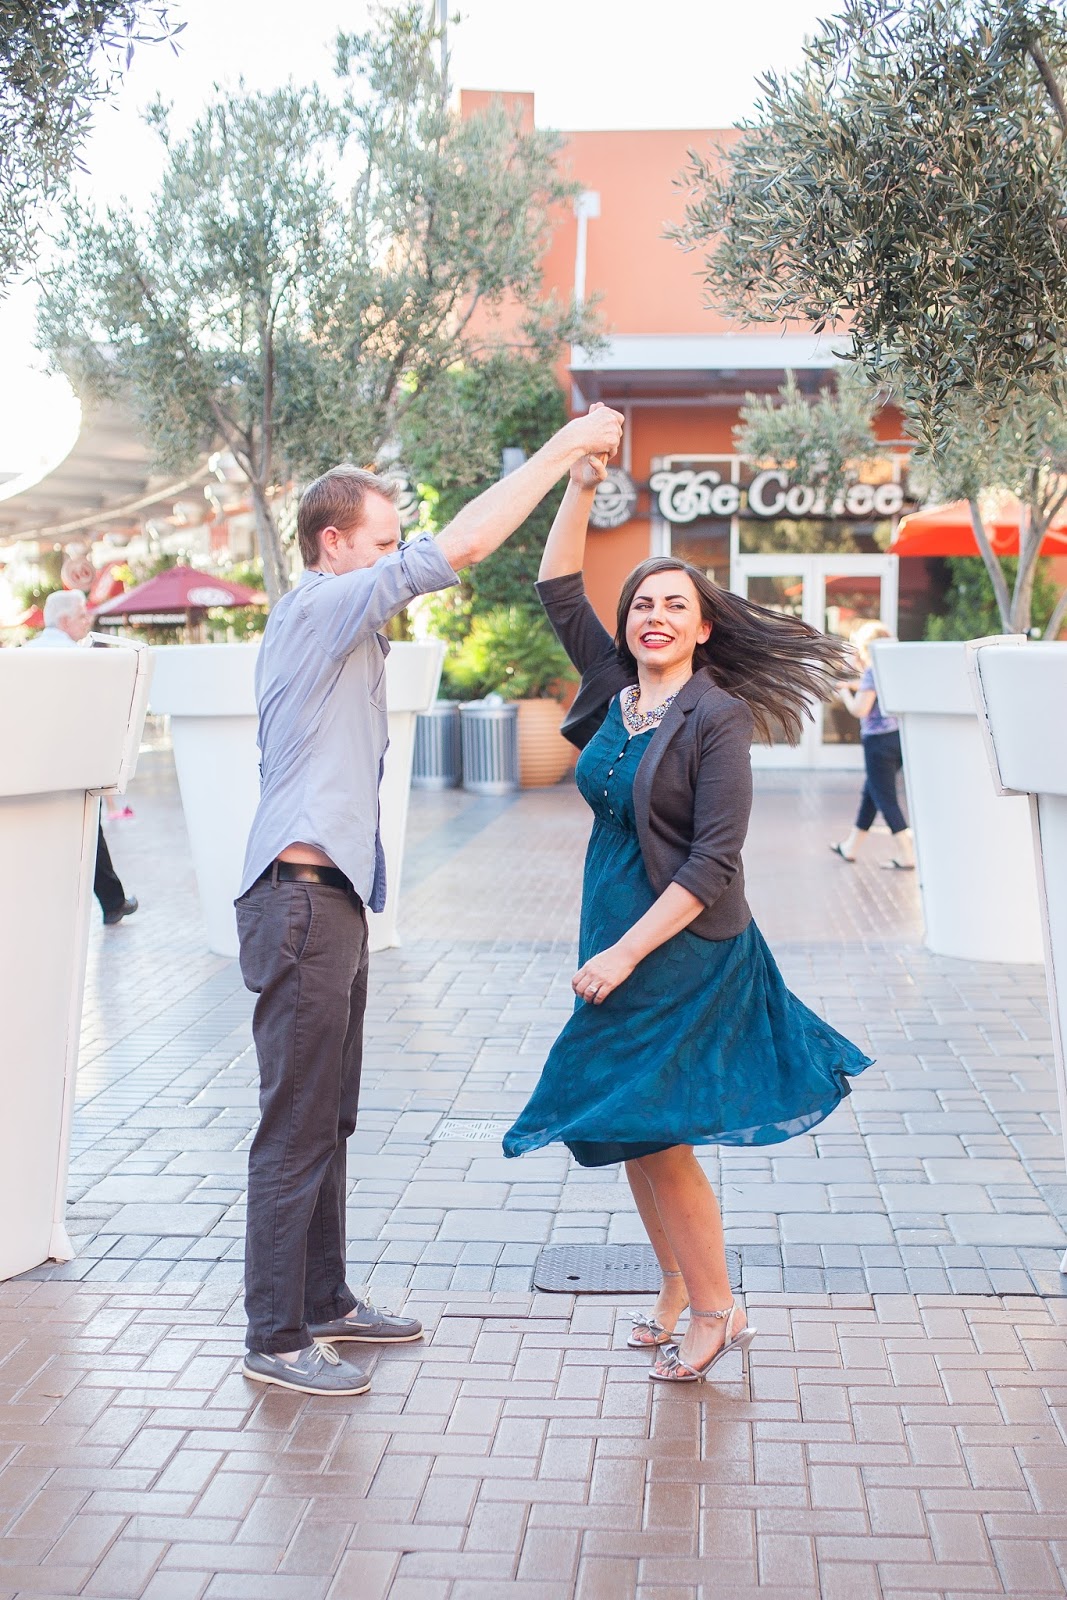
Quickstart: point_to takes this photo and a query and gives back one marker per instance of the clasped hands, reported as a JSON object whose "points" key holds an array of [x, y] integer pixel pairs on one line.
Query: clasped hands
{"points": [[593, 469], [602, 974]]}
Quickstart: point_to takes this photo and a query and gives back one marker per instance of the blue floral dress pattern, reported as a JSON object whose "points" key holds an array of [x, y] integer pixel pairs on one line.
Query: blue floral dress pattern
{"points": [[703, 1043]]}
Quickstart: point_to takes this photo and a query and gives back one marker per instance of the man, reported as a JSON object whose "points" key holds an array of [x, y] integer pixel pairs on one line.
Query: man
{"points": [[314, 861], [66, 623]]}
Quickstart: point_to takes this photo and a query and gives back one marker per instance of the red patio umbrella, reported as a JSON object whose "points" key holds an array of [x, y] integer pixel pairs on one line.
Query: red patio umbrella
{"points": [[947, 531], [171, 596], [105, 586], [33, 618]]}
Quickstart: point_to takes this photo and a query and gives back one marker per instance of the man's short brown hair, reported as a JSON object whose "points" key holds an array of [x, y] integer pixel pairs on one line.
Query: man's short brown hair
{"points": [[336, 501]]}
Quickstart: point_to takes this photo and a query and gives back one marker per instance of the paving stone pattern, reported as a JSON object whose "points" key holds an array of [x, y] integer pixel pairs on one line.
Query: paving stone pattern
{"points": [[942, 1172], [904, 1429]]}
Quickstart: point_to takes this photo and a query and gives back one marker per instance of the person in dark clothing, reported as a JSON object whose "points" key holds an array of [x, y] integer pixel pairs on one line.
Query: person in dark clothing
{"points": [[882, 760], [107, 886]]}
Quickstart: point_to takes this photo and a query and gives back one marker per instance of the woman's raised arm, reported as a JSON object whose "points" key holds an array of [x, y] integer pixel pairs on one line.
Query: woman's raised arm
{"points": [[565, 546]]}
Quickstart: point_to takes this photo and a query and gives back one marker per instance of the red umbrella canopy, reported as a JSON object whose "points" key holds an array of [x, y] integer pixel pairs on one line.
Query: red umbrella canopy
{"points": [[178, 589], [947, 531], [105, 586]]}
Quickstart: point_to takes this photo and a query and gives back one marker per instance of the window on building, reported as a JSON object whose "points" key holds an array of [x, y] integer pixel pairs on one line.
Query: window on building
{"points": [[813, 537], [704, 544]]}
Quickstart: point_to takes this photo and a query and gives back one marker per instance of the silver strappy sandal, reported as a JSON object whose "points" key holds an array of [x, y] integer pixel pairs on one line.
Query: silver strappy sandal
{"points": [[670, 1368], [657, 1334]]}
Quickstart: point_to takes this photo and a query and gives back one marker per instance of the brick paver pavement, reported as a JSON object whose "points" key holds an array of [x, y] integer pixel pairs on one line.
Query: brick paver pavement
{"points": [[904, 1430]]}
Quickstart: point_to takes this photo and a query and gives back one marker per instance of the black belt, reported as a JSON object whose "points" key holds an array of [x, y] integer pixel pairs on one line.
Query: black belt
{"points": [[305, 872]]}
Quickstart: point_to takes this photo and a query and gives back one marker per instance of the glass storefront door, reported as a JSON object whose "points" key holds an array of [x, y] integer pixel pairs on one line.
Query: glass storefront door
{"points": [[834, 593]]}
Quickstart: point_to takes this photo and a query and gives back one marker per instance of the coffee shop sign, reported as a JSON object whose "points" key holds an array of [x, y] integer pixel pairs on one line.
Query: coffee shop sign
{"points": [[685, 496]]}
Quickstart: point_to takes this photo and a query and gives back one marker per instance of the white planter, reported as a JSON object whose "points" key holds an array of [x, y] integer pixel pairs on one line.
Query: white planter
{"points": [[208, 691], [412, 678], [70, 728], [1022, 698], [975, 861]]}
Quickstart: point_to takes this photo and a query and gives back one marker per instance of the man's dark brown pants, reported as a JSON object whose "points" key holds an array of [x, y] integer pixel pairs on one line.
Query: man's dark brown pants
{"points": [[304, 954]]}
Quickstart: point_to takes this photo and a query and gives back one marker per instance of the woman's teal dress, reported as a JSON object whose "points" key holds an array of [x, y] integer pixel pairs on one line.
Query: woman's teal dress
{"points": [[703, 1043]]}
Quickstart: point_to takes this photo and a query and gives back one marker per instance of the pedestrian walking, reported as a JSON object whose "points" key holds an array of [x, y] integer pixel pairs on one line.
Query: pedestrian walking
{"points": [[683, 1031], [882, 760], [314, 863], [66, 623]]}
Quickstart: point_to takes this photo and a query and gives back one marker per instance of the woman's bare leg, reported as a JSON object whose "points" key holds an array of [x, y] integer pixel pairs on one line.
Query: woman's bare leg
{"points": [[689, 1212], [673, 1295]]}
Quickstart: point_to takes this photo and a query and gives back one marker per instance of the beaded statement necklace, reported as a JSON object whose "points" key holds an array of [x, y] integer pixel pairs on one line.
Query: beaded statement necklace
{"points": [[640, 721]]}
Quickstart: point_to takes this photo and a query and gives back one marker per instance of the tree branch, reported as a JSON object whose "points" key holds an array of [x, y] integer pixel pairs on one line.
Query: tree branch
{"points": [[1058, 617], [1053, 510], [266, 425], [1031, 534], [231, 430], [1055, 93], [993, 566], [464, 320]]}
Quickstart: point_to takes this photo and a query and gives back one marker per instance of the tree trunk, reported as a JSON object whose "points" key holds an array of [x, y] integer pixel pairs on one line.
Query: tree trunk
{"points": [[275, 566], [992, 566], [1031, 533], [1022, 604], [1058, 617]]}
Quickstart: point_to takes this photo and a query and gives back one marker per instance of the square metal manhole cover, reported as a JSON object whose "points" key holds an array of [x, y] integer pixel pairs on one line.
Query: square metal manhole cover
{"points": [[483, 1130], [607, 1269]]}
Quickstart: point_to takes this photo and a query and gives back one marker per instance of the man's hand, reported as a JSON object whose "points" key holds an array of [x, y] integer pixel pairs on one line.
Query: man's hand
{"points": [[589, 471], [483, 524], [598, 433], [603, 973]]}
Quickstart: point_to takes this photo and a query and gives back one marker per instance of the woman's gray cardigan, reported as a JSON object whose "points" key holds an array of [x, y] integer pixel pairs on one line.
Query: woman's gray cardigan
{"points": [[693, 786]]}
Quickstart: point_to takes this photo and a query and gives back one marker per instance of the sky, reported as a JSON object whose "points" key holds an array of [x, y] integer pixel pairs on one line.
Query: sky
{"points": [[633, 64]]}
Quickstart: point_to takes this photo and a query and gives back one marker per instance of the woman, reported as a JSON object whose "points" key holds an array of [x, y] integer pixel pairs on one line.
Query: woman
{"points": [[882, 760], [683, 1031]]}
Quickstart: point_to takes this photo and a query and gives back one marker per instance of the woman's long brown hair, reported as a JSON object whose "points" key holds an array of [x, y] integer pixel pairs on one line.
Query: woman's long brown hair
{"points": [[777, 664]]}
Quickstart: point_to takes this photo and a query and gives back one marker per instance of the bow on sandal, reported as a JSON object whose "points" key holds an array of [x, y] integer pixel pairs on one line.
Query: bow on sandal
{"points": [[647, 1333], [670, 1368]]}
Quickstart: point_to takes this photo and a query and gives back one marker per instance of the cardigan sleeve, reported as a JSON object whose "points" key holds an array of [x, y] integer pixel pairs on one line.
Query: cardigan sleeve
{"points": [[722, 803], [574, 622]]}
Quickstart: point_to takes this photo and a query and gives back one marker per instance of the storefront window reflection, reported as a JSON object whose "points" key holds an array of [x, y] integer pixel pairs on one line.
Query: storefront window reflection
{"points": [[704, 544], [778, 592], [850, 600], [814, 536]]}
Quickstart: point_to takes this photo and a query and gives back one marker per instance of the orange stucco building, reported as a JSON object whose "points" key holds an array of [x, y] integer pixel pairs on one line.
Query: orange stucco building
{"points": [[679, 369]]}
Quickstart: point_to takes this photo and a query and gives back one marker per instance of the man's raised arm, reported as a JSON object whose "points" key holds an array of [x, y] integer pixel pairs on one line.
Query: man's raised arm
{"points": [[483, 525]]}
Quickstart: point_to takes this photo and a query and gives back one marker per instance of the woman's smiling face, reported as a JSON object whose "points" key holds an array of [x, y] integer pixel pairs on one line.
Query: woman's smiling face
{"points": [[664, 624]]}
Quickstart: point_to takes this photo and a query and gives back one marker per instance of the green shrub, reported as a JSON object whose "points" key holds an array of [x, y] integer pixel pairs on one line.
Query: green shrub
{"points": [[970, 605], [510, 651]]}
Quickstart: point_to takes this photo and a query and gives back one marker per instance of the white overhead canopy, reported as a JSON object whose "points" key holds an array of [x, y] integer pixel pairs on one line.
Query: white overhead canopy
{"points": [[700, 365], [105, 482]]}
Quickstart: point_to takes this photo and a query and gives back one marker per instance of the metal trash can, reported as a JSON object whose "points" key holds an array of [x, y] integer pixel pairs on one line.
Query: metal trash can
{"points": [[490, 746], [438, 762]]}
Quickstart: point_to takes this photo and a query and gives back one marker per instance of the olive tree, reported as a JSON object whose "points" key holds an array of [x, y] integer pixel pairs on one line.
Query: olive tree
{"points": [[311, 266], [828, 439], [824, 439], [908, 185], [58, 60]]}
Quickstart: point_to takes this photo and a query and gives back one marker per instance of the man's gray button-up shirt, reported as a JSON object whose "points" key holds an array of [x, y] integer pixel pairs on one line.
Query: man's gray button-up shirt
{"points": [[323, 727]]}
